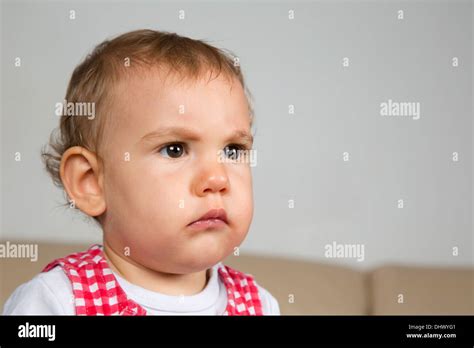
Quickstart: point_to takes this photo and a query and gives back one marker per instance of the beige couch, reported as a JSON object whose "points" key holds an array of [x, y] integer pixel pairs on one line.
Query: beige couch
{"points": [[314, 288]]}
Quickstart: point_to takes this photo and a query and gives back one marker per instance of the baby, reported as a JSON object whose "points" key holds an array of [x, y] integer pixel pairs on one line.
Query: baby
{"points": [[161, 166]]}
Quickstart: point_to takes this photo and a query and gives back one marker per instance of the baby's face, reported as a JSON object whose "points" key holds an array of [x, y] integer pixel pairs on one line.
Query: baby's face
{"points": [[162, 171]]}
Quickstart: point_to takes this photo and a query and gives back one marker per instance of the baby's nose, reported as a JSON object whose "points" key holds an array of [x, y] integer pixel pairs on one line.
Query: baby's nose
{"points": [[212, 179]]}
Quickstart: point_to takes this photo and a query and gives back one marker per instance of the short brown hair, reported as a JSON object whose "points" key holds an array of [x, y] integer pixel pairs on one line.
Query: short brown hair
{"points": [[94, 78]]}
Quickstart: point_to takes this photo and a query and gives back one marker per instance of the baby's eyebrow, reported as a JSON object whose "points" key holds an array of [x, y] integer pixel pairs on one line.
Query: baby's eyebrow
{"points": [[185, 133], [190, 134]]}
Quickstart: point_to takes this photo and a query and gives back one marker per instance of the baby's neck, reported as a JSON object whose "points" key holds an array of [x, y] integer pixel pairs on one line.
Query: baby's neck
{"points": [[165, 283]]}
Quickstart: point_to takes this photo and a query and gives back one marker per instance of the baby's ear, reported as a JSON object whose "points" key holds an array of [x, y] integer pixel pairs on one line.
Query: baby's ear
{"points": [[80, 174]]}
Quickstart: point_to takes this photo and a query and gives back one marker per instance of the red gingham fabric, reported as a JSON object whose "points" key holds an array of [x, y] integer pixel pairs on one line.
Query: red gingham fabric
{"points": [[97, 292]]}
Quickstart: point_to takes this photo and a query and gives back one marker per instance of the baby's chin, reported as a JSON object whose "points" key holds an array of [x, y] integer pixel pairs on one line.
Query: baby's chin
{"points": [[199, 262], [180, 267], [192, 261]]}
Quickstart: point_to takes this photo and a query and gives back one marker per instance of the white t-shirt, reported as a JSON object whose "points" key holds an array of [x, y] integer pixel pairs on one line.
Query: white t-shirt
{"points": [[50, 293]]}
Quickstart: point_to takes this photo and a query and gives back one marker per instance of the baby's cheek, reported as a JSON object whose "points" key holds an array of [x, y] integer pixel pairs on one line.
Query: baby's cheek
{"points": [[247, 199]]}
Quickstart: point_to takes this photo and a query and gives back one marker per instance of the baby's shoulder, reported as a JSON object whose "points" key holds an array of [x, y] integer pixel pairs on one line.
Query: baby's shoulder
{"points": [[48, 293], [269, 303]]}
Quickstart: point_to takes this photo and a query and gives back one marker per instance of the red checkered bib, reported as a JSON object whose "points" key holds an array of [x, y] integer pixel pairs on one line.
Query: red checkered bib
{"points": [[97, 292]]}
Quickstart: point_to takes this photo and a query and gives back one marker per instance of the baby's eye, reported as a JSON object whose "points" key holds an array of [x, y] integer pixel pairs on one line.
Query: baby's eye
{"points": [[174, 150], [233, 151]]}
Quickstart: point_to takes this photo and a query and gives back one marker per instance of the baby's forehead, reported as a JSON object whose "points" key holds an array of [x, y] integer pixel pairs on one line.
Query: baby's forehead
{"points": [[166, 79], [151, 98], [161, 90]]}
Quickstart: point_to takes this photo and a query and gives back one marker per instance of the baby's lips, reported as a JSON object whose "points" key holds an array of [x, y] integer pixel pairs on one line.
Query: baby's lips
{"points": [[216, 213]]}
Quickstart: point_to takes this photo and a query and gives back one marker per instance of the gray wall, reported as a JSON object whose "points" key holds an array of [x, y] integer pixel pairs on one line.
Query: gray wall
{"points": [[300, 155]]}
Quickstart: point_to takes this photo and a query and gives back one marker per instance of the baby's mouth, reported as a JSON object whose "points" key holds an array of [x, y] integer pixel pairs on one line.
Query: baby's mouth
{"points": [[214, 218]]}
